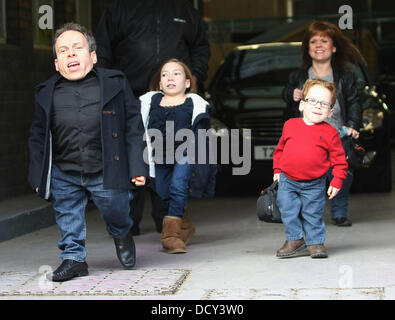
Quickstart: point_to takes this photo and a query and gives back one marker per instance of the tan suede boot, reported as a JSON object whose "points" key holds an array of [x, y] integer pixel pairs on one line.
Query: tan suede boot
{"points": [[187, 229], [171, 236]]}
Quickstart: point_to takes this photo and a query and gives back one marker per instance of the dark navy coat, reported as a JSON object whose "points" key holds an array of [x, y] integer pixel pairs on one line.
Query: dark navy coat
{"points": [[122, 133]]}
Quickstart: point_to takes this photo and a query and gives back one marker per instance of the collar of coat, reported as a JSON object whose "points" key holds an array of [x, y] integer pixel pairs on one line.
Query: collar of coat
{"points": [[109, 81]]}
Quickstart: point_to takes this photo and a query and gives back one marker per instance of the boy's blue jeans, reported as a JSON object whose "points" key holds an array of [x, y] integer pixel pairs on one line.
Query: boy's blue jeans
{"points": [[70, 195], [302, 205], [172, 185]]}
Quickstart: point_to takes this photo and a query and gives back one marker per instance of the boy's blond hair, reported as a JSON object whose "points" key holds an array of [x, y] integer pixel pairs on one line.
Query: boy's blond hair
{"points": [[318, 82]]}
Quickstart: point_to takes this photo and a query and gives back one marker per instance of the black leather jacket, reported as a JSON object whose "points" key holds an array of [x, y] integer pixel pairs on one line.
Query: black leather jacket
{"points": [[347, 96], [136, 36]]}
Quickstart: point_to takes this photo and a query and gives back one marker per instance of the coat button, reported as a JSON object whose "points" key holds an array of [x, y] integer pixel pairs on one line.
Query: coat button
{"points": [[116, 158], [115, 134]]}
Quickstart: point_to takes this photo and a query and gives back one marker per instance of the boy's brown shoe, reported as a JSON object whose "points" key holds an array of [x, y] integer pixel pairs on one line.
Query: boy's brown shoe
{"points": [[292, 249], [317, 251]]}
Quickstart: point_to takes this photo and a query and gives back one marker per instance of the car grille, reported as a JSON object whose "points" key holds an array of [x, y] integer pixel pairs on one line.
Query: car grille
{"points": [[266, 126]]}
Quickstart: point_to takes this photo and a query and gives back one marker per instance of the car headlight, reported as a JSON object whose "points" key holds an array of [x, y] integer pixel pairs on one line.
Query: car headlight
{"points": [[372, 119], [220, 127]]}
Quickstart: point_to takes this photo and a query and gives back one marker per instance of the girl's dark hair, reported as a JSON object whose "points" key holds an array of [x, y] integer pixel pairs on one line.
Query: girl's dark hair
{"points": [[346, 51], [154, 84], [72, 26]]}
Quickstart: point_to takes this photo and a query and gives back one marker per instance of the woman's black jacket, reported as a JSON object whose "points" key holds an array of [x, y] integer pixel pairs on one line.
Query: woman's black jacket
{"points": [[347, 96]]}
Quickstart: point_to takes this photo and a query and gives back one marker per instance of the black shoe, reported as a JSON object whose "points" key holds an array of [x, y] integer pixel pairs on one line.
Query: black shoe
{"points": [[342, 222], [68, 270], [126, 250]]}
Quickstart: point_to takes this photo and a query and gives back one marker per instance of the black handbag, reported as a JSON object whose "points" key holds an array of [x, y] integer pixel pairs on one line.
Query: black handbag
{"points": [[354, 152], [267, 208]]}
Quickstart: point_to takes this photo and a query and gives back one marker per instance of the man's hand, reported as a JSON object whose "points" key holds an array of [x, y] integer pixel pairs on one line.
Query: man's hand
{"points": [[276, 177], [36, 189], [332, 192], [139, 181]]}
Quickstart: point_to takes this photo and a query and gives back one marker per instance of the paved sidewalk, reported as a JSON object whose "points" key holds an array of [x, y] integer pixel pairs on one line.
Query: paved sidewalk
{"points": [[232, 256]]}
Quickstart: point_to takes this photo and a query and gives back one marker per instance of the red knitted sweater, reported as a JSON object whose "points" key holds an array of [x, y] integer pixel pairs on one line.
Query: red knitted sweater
{"points": [[306, 152]]}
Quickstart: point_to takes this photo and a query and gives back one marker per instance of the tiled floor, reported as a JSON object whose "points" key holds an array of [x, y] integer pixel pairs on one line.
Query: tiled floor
{"points": [[148, 282]]}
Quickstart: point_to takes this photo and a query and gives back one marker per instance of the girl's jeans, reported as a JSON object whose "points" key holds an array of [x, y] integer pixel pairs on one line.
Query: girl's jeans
{"points": [[302, 205], [172, 185]]}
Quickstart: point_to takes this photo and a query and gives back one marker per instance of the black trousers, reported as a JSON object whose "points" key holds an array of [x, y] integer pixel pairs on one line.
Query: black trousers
{"points": [[159, 210]]}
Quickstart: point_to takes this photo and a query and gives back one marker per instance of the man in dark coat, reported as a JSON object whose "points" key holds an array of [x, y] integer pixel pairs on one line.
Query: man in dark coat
{"points": [[86, 142], [136, 37]]}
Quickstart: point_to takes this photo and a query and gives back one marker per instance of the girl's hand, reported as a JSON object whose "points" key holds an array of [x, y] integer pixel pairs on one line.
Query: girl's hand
{"points": [[276, 177], [297, 95], [332, 192], [139, 181]]}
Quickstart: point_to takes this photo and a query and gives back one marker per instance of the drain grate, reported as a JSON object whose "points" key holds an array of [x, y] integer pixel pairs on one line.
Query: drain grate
{"points": [[142, 282]]}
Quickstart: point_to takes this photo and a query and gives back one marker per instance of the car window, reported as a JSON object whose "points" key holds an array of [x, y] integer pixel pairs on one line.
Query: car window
{"points": [[268, 68]]}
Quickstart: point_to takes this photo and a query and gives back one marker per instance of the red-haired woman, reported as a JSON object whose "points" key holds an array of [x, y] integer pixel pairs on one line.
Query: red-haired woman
{"points": [[327, 54]]}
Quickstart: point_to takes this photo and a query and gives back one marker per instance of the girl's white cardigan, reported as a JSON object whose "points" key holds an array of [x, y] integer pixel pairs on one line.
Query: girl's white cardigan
{"points": [[199, 106]]}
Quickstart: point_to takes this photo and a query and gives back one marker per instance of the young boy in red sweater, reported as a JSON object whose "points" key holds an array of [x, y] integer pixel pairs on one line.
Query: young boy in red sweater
{"points": [[307, 148]]}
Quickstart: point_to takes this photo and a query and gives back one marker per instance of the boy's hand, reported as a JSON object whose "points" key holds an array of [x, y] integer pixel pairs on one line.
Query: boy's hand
{"points": [[332, 192], [276, 177], [139, 181], [297, 94]]}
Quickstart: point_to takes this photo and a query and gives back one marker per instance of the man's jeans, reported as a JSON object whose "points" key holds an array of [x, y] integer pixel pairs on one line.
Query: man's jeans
{"points": [[70, 195], [339, 204], [302, 205], [172, 185]]}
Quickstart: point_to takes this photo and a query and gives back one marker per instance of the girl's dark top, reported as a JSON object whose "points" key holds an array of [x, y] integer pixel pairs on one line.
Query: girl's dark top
{"points": [[180, 116]]}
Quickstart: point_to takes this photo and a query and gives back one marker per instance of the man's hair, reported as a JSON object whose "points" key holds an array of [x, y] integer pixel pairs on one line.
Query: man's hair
{"points": [[72, 26], [323, 83], [154, 84]]}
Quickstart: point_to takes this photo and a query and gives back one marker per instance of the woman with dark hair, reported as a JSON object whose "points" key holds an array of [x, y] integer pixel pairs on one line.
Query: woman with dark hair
{"points": [[326, 55]]}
